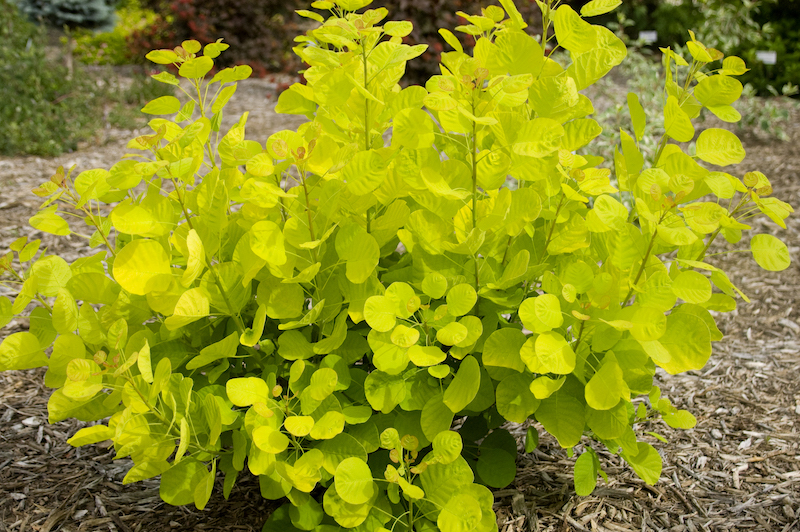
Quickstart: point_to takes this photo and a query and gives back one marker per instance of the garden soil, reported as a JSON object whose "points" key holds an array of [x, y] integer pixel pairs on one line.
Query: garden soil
{"points": [[738, 470]]}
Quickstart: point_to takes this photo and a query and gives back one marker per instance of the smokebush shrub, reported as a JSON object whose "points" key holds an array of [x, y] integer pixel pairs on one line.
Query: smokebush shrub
{"points": [[318, 310]]}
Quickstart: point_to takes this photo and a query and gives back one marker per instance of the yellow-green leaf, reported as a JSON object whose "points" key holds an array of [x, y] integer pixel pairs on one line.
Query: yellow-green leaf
{"points": [[677, 124], [770, 253], [599, 7], [143, 266], [165, 105], [720, 147], [192, 306]]}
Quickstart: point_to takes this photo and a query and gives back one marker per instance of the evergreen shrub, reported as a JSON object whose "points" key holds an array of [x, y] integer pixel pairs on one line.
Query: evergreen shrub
{"points": [[91, 14], [323, 308]]}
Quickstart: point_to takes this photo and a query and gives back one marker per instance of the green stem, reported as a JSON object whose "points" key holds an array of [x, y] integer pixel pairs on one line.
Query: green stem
{"points": [[505, 254], [642, 267], [475, 192], [661, 145], [580, 335], [283, 206], [708, 244], [236, 319], [474, 174], [552, 227], [742, 203], [366, 100], [308, 213], [95, 223]]}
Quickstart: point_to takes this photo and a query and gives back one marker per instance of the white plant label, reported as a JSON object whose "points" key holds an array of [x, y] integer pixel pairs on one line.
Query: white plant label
{"points": [[768, 57], [648, 36]]}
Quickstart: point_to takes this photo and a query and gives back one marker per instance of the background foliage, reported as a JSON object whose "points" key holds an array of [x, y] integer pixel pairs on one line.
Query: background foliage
{"points": [[732, 26], [114, 47], [46, 108], [261, 32], [92, 14], [43, 111]]}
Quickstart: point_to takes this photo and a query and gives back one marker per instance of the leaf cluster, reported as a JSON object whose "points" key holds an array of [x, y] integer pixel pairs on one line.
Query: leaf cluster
{"points": [[321, 308]]}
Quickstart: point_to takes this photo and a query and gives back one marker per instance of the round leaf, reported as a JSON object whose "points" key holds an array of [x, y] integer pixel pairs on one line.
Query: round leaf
{"points": [[543, 387], [353, 480], [439, 372], [687, 341], [462, 513], [692, 287], [548, 310], [515, 402], [379, 311], [719, 147], [270, 440], [143, 266], [247, 390], [323, 383], [606, 387], [464, 387], [403, 336], [165, 105], [196, 67], [646, 463], [460, 299], [179, 482], [398, 28], [648, 324], [451, 334], [267, 241], [425, 355], [585, 474], [447, 446], [260, 165], [770, 253], [299, 425], [555, 354], [434, 285]]}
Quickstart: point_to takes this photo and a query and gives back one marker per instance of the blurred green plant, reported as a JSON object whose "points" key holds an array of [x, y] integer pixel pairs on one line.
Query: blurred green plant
{"points": [[94, 14], [125, 100], [111, 47], [43, 110], [739, 27], [642, 73]]}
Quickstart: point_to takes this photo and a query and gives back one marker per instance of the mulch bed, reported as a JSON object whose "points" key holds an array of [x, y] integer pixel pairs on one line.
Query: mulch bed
{"points": [[738, 470]]}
